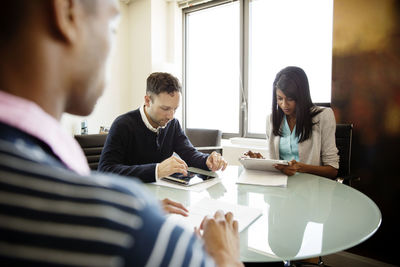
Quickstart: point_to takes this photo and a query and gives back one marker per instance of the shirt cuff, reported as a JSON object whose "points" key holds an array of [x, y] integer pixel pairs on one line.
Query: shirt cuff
{"points": [[156, 173]]}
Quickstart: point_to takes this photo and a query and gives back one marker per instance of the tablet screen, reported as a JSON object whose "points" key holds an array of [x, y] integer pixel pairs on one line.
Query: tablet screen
{"points": [[261, 164], [190, 179]]}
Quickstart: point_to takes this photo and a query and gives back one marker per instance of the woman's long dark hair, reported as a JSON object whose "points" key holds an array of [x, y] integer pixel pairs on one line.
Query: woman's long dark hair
{"points": [[293, 82]]}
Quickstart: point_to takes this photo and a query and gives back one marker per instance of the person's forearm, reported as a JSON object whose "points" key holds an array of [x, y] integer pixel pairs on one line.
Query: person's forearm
{"points": [[326, 171]]}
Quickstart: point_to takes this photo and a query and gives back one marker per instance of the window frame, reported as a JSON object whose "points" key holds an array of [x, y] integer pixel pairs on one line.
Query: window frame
{"points": [[185, 12], [244, 46]]}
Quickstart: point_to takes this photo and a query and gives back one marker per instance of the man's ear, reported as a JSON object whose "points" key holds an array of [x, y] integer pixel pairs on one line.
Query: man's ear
{"points": [[147, 100], [65, 15]]}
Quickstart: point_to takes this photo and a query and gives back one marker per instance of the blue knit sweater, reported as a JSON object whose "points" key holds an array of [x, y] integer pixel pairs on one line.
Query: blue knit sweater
{"points": [[132, 149]]}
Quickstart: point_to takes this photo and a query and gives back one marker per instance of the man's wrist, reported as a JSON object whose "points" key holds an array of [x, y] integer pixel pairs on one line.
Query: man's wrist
{"points": [[156, 172], [207, 163], [224, 259]]}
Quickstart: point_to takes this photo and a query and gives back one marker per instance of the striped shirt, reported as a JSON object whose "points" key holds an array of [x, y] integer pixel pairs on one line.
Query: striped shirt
{"points": [[51, 216]]}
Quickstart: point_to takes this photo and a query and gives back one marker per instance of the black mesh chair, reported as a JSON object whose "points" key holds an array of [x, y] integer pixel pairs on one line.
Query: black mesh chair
{"points": [[323, 104], [344, 136], [92, 145], [205, 140]]}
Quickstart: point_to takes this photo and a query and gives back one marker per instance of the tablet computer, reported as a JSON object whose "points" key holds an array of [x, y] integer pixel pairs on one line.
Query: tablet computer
{"points": [[261, 164], [191, 178]]}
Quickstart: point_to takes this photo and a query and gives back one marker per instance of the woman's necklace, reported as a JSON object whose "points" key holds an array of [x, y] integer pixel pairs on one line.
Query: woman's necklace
{"points": [[291, 122]]}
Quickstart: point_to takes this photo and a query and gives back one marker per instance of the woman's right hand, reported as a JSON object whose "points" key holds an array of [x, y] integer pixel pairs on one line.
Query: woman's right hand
{"points": [[290, 169]]}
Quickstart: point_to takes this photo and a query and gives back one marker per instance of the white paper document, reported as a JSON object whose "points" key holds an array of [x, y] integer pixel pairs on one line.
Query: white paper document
{"points": [[243, 214], [263, 178]]}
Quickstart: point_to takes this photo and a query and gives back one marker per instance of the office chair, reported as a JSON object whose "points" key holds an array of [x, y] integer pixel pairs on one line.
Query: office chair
{"points": [[205, 140], [344, 135], [323, 104], [92, 145]]}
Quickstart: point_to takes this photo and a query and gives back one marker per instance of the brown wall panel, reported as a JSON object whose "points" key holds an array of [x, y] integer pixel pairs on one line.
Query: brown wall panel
{"points": [[366, 92]]}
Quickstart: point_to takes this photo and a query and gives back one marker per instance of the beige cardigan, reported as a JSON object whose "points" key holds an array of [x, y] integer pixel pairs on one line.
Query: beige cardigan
{"points": [[320, 149]]}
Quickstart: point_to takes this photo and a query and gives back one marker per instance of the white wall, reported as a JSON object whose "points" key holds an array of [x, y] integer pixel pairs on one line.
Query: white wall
{"points": [[140, 47], [166, 40], [166, 37], [148, 39]]}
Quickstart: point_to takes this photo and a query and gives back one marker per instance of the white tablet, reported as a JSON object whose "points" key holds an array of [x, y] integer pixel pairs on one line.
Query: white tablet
{"points": [[261, 164]]}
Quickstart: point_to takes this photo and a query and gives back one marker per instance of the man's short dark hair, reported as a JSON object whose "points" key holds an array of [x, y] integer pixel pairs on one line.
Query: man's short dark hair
{"points": [[162, 82], [12, 18], [14, 13]]}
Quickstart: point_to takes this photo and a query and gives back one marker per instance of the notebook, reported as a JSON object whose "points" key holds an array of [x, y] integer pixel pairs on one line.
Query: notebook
{"points": [[264, 178], [243, 214]]}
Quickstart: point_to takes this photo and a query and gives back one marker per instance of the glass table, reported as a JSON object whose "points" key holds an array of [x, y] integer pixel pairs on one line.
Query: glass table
{"points": [[312, 216]]}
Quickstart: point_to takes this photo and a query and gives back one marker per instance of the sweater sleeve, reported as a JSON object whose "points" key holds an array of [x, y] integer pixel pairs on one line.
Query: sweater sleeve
{"points": [[186, 151], [273, 150], [115, 151], [329, 151], [269, 126]]}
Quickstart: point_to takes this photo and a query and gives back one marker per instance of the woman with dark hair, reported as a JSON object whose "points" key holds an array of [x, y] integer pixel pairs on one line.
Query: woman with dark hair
{"points": [[299, 131]]}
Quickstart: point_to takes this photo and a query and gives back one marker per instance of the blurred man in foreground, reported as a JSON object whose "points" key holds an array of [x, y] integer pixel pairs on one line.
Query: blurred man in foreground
{"points": [[52, 210]]}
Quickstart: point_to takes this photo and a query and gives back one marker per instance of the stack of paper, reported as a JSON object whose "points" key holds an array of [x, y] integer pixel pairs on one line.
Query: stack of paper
{"points": [[263, 178], [207, 207]]}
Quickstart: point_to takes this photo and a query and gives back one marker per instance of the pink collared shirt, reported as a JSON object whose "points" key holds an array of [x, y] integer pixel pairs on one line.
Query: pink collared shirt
{"points": [[28, 117]]}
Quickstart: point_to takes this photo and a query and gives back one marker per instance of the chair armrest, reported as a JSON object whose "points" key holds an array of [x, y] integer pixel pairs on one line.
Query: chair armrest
{"points": [[209, 149]]}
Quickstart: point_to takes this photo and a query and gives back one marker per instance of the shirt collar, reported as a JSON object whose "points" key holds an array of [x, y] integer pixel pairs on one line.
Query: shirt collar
{"points": [[146, 121], [27, 116]]}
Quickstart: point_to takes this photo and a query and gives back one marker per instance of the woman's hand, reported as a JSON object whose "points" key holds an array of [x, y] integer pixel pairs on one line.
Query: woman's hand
{"points": [[294, 166], [290, 169]]}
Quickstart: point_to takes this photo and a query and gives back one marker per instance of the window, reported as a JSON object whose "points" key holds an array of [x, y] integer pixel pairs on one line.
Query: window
{"points": [[287, 33], [212, 67], [273, 34]]}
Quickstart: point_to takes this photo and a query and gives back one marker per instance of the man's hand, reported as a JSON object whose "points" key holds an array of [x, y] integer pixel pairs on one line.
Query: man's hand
{"points": [[171, 165], [221, 238], [290, 169], [216, 162], [170, 206]]}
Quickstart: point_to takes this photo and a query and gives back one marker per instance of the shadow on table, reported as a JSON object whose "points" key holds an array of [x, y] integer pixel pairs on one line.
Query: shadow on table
{"points": [[259, 264]]}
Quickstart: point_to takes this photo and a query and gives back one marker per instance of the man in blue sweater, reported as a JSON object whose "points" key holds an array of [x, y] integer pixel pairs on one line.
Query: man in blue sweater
{"points": [[141, 142]]}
